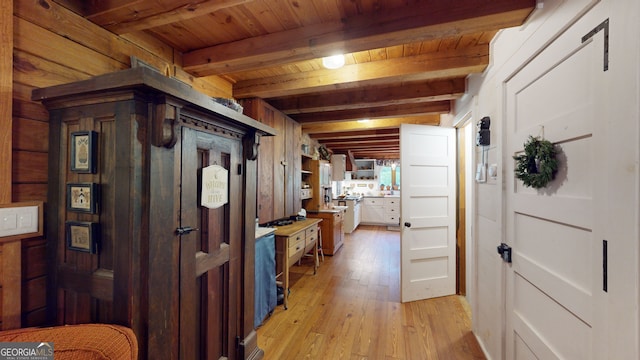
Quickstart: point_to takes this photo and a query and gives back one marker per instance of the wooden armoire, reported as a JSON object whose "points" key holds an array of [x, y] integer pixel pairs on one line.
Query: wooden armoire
{"points": [[137, 248]]}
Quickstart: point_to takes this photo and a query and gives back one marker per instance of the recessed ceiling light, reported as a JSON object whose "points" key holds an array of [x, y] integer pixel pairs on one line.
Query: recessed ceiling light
{"points": [[333, 62]]}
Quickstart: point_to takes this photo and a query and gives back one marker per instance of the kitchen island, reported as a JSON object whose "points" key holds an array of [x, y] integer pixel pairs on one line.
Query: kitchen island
{"points": [[332, 227], [292, 242], [353, 214]]}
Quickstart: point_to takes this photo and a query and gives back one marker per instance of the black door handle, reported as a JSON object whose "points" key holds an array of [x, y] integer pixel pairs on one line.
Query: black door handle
{"points": [[505, 252], [185, 230], [407, 224]]}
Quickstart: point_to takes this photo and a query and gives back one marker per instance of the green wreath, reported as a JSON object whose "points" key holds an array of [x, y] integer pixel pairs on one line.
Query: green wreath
{"points": [[538, 165]]}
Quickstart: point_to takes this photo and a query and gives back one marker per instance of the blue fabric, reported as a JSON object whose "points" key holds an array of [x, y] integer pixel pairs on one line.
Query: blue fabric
{"points": [[265, 297]]}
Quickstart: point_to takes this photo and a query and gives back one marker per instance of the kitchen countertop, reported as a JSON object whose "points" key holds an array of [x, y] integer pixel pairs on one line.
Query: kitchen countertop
{"points": [[349, 198], [334, 209], [262, 231], [288, 230]]}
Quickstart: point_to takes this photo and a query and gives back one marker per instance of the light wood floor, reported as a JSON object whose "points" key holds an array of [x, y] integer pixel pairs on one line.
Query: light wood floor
{"points": [[351, 310]]}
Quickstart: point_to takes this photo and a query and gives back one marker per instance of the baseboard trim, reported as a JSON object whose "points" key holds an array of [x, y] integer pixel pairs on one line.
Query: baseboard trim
{"points": [[249, 349]]}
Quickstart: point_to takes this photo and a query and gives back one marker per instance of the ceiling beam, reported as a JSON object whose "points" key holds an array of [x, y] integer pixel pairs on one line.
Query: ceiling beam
{"points": [[403, 93], [356, 134], [421, 22], [363, 145], [350, 140], [426, 108], [333, 127], [378, 154], [430, 66]]}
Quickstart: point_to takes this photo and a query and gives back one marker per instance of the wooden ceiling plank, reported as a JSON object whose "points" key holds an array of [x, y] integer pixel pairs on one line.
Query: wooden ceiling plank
{"points": [[360, 153], [363, 145], [349, 140], [403, 93], [355, 134], [444, 64], [375, 155], [327, 10], [436, 107], [348, 137], [182, 12], [403, 25], [91, 9], [327, 127]]}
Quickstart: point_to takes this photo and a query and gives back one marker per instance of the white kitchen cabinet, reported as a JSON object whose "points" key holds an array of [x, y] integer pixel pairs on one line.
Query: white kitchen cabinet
{"points": [[325, 173], [365, 170], [352, 215], [381, 211], [392, 210], [373, 210]]}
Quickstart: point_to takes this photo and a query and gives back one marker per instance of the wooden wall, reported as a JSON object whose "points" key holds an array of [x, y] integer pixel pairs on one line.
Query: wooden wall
{"points": [[279, 177], [51, 45]]}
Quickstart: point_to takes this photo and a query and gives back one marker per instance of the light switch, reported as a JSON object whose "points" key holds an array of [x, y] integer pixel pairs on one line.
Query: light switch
{"points": [[24, 221], [18, 220], [9, 221]]}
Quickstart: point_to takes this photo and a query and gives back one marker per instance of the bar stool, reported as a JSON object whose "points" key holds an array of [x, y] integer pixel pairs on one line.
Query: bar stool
{"points": [[319, 247]]}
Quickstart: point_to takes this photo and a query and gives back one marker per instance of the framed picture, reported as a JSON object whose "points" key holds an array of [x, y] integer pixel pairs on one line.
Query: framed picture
{"points": [[83, 151], [82, 197], [82, 236]]}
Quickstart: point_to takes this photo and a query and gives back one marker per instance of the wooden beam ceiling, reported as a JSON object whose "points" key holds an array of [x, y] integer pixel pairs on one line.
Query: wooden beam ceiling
{"points": [[431, 66], [379, 112], [370, 31], [406, 61], [394, 94], [372, 124], [378, 138]]}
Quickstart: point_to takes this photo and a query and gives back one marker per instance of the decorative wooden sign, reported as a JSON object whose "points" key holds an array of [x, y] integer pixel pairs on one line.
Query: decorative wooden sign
{"points": [[215, 186]]}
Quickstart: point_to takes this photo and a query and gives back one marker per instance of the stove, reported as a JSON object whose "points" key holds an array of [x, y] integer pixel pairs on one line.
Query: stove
{"points": [[279, 222]]}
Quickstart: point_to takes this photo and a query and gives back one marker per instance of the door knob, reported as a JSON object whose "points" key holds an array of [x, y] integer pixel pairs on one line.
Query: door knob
{"points": [[407, 224]]}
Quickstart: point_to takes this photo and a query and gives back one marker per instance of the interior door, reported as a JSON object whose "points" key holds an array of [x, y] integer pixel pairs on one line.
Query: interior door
{"points": [[428, 206], [555, 283], [209, 256]]}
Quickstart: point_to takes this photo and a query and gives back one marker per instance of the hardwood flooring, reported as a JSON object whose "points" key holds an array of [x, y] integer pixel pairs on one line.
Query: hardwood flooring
{"points": [[351, 310]]}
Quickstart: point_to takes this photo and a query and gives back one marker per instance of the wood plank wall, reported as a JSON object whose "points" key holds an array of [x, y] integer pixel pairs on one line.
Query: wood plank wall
{"points": [[279, 179], [10, 252], [47, 45]]}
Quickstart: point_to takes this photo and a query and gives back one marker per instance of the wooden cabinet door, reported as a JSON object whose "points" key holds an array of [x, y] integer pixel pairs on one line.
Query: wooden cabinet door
{"points": [[210, 261]]}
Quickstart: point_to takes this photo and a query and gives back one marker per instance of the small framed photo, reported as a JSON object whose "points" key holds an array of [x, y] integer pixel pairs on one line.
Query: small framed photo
{"points": [[82, 236], [83, 151], [83, 197]]}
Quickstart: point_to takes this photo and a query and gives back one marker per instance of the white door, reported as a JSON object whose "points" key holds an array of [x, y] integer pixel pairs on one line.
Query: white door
{"points": [[554, 286], [428, 208]]}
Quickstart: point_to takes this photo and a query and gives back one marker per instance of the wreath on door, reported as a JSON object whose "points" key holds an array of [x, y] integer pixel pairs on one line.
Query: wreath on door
{"points": [[538, 165]]}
